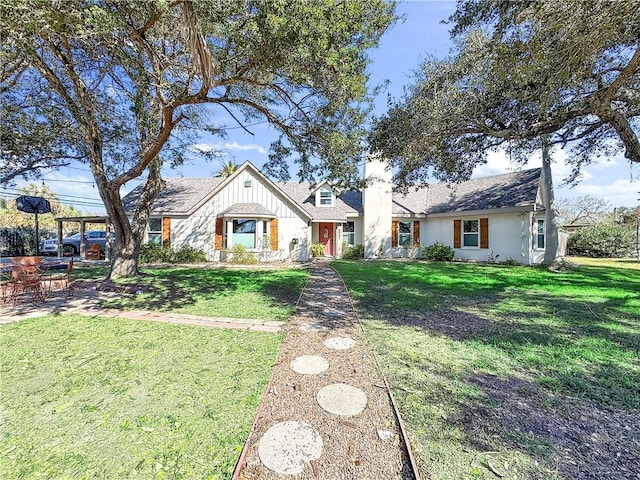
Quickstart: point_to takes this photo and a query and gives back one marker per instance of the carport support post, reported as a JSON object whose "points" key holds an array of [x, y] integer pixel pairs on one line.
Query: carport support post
{"points": [[37, 236], [59, 238], [82, 245]]}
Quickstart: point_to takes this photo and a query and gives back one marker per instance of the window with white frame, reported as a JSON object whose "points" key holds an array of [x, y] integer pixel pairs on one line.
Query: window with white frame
{"points": [[244, 232], [404, 234], [154, 231], [470, 233], [326, 197], [540, 234], [348, 233]]}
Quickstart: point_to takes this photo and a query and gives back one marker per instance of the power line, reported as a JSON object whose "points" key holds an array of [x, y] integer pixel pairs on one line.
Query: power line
{"points": [[67, 181], [70, 199]]}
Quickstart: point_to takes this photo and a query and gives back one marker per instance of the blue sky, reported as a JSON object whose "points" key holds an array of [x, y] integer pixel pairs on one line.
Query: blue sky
{"points": [[418, 35]]}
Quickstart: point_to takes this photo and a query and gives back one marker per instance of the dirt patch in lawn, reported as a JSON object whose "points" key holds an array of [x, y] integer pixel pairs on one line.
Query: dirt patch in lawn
{"points": [[579, 438]]}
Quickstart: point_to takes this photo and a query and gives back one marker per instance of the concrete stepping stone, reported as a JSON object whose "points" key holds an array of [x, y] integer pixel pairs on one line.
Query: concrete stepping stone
{"points": [[312, 327], [316, 304], [287, 447], [334, 312], [339, 343], [342, 399], [309, 364]]}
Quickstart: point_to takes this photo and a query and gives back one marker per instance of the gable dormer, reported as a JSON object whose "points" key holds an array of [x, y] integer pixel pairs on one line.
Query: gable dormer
{"points": [[324, 195]]}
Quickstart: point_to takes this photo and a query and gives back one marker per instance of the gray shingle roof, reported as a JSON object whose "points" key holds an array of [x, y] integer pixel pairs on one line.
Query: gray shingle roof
{"points": [[179, 196], [509, 190], [348, 203], [248, 209]]}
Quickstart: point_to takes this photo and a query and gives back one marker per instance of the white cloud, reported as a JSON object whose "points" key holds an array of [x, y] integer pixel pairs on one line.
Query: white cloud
{"points": [[209, 147], [617, 193], [603, 178]]}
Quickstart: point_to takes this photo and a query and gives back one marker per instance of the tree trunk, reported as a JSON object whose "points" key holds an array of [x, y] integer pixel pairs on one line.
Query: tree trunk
{"points": [[551, 243], [130, 234]]}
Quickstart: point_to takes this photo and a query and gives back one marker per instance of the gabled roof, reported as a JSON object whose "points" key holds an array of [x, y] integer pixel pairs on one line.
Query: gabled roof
{"points": [[183, 196], [514, 190], [179, 197], [349, 203], [517, 190]]}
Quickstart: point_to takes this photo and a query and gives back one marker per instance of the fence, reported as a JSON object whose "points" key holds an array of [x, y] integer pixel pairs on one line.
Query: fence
{"points": [[21, 241]]}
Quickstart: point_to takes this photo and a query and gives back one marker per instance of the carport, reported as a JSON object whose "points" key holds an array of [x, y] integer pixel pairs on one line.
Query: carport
{"points": [[83, 221]]}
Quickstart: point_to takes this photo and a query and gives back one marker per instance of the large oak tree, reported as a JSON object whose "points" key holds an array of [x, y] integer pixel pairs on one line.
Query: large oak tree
{"points": [[567, 69], [126, 84], [523, 75]]}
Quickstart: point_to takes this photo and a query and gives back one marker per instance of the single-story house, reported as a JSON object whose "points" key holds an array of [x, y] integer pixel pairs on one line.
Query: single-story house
{"points": [[501, 215]]}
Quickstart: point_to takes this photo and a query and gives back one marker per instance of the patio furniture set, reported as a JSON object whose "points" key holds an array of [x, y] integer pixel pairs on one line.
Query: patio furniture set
{"points": [[31, 279]]}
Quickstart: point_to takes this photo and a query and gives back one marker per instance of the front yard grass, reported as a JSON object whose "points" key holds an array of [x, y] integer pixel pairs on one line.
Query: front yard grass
{"points": [[90, 397], [215, 292], [511, 372]]}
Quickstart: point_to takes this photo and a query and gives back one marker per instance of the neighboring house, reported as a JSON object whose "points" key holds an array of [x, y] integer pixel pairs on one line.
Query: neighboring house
{"points": [[499, 215]]}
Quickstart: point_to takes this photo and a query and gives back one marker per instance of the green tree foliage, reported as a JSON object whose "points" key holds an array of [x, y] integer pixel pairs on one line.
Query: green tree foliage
{"points": [[129, 81], [11, 217], [565, 69], [227, 169], [603, 240]]}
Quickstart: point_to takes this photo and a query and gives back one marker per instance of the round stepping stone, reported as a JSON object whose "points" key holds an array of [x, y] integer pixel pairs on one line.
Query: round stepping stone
{"points": [[287, 447], [342, 399], [309, 365], [334, 312], [312, 327], [339, 343]]}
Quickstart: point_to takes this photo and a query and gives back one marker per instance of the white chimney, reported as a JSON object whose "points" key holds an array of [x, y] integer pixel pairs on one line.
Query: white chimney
{"points": [[376, 203]]}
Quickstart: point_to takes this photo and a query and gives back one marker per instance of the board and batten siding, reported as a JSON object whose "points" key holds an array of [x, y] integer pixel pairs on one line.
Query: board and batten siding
{"points": [[198, 229]]}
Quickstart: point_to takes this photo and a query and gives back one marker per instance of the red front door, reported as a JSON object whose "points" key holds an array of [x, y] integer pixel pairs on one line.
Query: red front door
{"points": [[325, 232]]}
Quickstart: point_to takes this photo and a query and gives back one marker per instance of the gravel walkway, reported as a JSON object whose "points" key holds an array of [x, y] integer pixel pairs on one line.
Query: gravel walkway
{"points": [[335, 420]]}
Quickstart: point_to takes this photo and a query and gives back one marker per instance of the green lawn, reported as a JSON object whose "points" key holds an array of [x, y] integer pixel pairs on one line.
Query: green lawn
{"points": [[90, 397], [260, 294], [511, 371]]}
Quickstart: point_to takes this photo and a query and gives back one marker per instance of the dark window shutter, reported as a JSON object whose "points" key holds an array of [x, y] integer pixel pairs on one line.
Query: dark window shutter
{"points": [[484, 233], [457, 233], [219, 233], [166, 232], [416, 233], [394, 234], [274, 234]]}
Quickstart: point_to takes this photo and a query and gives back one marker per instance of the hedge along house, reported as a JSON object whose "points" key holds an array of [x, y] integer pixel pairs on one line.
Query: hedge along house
{"points": [[492, 216]]}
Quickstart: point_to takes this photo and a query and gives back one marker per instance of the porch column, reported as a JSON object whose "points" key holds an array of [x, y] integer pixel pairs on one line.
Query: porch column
{"points": [[229, 233], [338, 240]]}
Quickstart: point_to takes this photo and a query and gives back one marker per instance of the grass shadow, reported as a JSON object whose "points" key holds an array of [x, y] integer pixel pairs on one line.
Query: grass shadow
{"points": [[216, 292]]}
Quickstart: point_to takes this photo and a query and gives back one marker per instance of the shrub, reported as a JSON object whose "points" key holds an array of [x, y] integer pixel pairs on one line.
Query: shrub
{"points": [[511, 262], [438, 252], [354, 252], [152, 253], [317, 249], [240, 256], [602, 240], [189, 255]]}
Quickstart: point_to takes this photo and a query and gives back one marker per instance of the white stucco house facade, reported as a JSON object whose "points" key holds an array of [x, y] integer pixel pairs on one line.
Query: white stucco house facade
{"points": [[499, 216]]}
